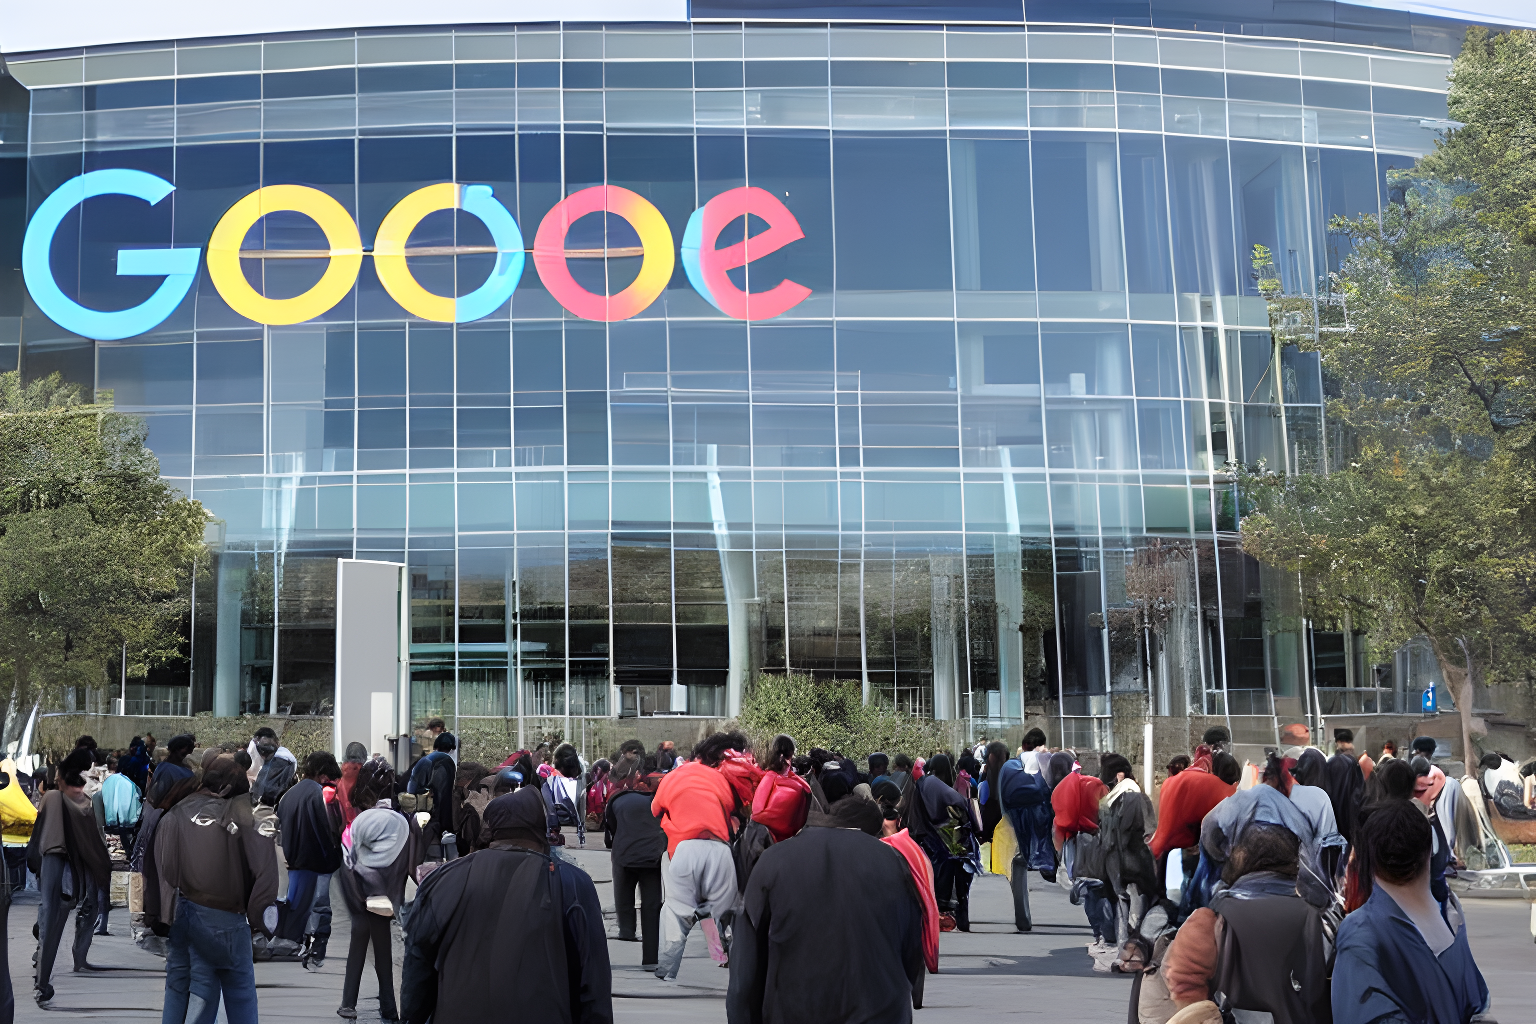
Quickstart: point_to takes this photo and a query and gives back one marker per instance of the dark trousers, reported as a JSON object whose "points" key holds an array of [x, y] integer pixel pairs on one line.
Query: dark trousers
{"points": [[369, 928], [649, 881], [7, 995], [53, 910], [952, 886], [103, 907]]}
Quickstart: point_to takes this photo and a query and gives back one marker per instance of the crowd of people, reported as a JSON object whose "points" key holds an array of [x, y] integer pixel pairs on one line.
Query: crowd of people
{"points": [[1309, 887]]}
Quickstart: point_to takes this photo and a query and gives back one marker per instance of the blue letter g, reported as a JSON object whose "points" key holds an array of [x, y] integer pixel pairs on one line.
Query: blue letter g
{"points": [[178, 266]]}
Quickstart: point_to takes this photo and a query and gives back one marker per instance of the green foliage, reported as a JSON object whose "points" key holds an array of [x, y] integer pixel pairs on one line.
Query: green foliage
{"points": [[95, 549], [1427, 527], [1439, 345], [1493, 92], [830, 713]]}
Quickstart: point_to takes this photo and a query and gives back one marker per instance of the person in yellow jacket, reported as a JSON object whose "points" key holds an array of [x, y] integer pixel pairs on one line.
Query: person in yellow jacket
{"points": [[16, 811]]}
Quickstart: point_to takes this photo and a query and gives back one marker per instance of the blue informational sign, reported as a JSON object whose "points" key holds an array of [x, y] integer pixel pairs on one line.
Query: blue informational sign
{"points": [[1429, 701]]}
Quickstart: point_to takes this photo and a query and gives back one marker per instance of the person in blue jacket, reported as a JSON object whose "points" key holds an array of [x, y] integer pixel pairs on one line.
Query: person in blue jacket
{"points": [[1403, 957]]}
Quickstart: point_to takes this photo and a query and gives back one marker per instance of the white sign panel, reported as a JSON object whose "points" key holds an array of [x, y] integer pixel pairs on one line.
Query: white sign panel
{"points": [[371, 655]]}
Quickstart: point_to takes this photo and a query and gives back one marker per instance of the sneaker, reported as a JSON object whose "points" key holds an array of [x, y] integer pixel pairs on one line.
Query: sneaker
{"points": [[1101, 967]]}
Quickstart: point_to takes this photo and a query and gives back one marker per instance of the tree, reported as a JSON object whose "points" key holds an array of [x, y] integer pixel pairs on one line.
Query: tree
{"points": [[95, 549], [1493, 95], [1434, 546], [1426, 528]]}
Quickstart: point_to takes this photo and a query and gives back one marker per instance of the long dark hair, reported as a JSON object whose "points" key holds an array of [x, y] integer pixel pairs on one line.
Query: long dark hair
{"points": [[941, 768], [997, 755], [781, 753]]}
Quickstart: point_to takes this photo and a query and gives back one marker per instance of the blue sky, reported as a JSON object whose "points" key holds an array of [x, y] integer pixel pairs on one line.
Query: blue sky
{"points": [[1500, 12]]}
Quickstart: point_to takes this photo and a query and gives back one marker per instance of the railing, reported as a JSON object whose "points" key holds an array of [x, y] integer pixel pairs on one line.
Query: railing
{"points": [[150, 707], [1237, 702], [1359, 700]]}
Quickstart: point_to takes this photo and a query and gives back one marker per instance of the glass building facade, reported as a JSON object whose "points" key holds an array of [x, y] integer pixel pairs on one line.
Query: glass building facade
{"points": [[1031, 343]]}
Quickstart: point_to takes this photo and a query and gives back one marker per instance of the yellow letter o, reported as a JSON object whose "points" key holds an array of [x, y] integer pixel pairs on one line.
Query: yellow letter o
{"points": [[346, 254]]}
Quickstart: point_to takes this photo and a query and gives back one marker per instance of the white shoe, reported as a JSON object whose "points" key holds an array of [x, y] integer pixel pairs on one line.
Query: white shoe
{"points": [[1101, 966]]}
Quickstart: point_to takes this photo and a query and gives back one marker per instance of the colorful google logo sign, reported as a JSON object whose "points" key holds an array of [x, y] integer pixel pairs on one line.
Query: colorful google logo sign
{"points": [[706, 266]]}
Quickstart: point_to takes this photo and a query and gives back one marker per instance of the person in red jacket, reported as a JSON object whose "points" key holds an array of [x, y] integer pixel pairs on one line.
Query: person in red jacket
{"points": [[695, 802], [1183, 804], [1075, 799], [783, 798]]}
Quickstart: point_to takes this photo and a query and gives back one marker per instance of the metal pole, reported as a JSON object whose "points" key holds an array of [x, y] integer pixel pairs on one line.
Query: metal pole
{"points": [[123, 708]]}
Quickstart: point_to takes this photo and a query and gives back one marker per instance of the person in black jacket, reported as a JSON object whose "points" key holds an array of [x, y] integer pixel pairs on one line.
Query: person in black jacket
{"points": [[509, 933], [310, 818], [434, 775], [638, 843], [831, 930]]}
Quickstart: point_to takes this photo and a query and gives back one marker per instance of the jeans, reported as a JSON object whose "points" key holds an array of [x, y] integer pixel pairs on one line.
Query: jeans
{"points": [[319, 924], [369, 928], [52, 912], [1099, 904], [701, 882], [208, 955], [309, 906], [625, 880]]}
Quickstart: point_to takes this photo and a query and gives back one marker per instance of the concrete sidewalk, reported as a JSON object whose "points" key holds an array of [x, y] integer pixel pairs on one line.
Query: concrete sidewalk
{"points": [[1045, 975]]}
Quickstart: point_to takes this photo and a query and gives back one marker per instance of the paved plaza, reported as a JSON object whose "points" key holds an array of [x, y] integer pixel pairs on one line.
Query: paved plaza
{"points": [[1044, 975]]}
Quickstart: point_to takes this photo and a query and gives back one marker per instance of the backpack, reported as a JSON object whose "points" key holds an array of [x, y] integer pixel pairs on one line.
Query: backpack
{"points": [[421, 773], [743, 774], [597, 796], [783, 806], [120, 802]]}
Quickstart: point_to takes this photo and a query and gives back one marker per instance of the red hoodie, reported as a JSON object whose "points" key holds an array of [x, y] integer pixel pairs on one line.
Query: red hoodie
{"points": [[1076, 803], [693, 802], [1185, 801]]}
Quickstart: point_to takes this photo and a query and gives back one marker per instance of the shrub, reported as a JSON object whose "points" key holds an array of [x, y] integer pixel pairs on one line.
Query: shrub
{"points": [[831, 713]]}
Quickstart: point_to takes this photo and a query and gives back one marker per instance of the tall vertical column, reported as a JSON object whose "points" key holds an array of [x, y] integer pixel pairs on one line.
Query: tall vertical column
{"points": [[226, 649], [736, 573], [1008, 586], [948, 591]]}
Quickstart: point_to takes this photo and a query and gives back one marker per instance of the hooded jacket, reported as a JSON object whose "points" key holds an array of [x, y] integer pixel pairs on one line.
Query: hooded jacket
{"points": [[830, 933], [1076, 803], [506, 935], [211, 850]]}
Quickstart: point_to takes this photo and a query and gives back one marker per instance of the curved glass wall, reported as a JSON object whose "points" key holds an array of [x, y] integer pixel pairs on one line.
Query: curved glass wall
{"points": [[1032, 340]]}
